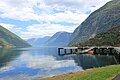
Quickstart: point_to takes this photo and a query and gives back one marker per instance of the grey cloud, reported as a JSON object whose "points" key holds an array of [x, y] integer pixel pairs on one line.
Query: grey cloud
{"points": [[79, 5], [16, 3], [66, 3]]}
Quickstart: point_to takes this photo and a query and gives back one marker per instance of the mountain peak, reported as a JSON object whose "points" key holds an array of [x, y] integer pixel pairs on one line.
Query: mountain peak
{"points": [[59, 39]]}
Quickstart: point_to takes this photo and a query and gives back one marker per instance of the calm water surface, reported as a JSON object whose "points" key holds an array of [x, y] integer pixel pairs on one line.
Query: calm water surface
{"points": [[34, 63]]}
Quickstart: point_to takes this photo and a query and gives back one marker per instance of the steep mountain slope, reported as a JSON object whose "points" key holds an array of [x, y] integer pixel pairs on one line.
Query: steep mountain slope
{"points": [[109, 38], [8, 38], [99, 21], [59, 39], [38, 41]]}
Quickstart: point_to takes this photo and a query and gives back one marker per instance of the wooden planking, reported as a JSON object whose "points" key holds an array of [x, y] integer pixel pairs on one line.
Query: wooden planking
{"points": [[67, 47]]}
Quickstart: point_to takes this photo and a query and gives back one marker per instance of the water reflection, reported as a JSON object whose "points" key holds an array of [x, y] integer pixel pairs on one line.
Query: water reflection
{"points": [[90, 61], [7, 55], [33, 63]]}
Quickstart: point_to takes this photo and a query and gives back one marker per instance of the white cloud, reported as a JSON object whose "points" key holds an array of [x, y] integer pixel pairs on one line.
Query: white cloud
{"points": [[48, 29], [27, 13], [11, 27], [48, 11], [25, 10], [17, 9], [67, 16]]}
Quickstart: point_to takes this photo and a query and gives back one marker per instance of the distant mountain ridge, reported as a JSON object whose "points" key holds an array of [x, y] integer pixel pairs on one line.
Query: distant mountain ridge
{"points": [[8, 39], [59, 39], [38, 41], [99, 21]]}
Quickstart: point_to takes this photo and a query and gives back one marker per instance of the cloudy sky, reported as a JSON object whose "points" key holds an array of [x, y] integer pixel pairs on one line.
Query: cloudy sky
{"points": [[39, 18]]}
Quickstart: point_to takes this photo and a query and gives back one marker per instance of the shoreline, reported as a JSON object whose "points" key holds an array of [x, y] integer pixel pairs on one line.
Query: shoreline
{"points": [[101, 73]]}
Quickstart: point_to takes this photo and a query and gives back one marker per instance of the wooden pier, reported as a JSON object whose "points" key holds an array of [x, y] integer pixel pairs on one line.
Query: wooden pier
{"points": [[67, 48], [115, 51]]}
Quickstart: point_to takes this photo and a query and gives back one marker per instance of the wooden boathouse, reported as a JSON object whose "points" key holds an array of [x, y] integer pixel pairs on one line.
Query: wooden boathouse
{"points": [[115, 51]]}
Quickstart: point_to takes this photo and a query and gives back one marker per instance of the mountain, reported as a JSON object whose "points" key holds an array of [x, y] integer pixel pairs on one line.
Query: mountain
{"points": [[99, 21], [108, 38], [59, 39], [38, 41], [9, 39]]}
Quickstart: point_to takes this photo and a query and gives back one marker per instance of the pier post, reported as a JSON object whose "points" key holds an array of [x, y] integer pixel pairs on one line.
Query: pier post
{"points": [[95, 50], [71, 51], [106, 51], [58, 51], [100, 50], [111, 53], [103, 51], [76, 50], [65, 52]]}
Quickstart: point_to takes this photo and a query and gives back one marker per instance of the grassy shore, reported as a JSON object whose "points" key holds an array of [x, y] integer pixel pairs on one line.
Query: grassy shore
{"points": [[103, 73]]}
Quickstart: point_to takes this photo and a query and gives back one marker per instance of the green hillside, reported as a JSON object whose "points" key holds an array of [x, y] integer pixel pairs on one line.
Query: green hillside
{"points": [[99, 21], [109, 38], [8, 38]]}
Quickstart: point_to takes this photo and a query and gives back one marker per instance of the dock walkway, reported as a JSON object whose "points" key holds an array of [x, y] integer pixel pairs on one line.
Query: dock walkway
{"points": [[115, 51]]}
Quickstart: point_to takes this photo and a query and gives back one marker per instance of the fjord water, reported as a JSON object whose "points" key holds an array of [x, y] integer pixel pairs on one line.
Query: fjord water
{"points": [[34, 63]]}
